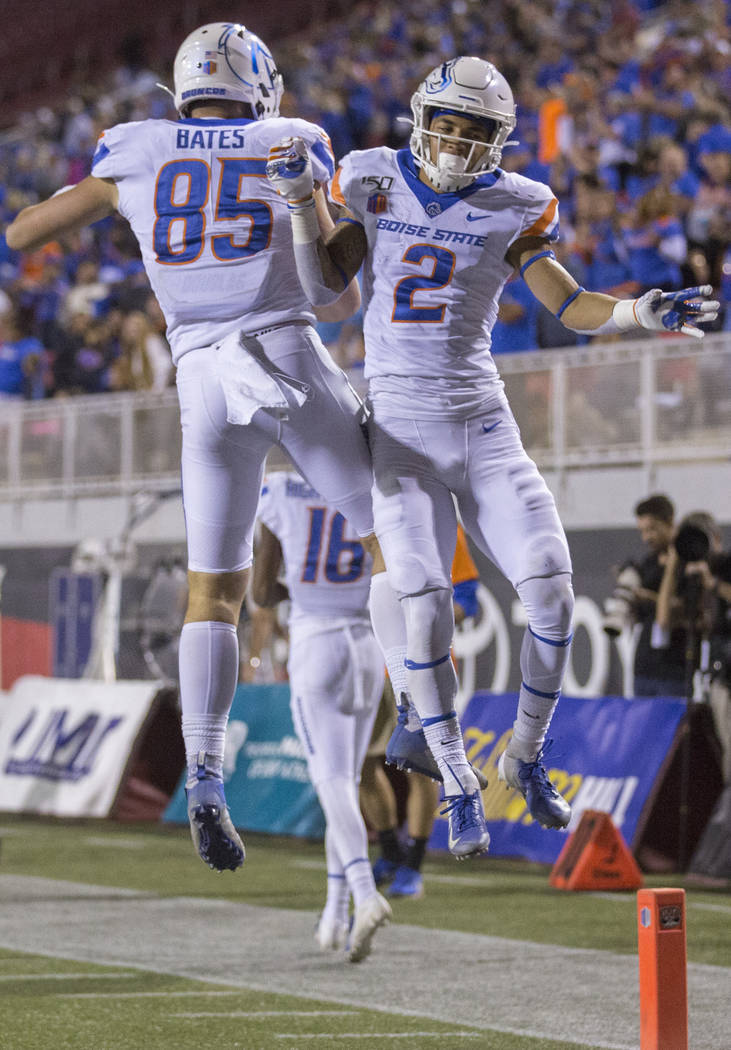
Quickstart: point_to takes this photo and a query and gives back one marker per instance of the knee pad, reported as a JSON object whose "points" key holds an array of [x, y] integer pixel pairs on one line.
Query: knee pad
{"points": [[429, 624], [549, 605]]}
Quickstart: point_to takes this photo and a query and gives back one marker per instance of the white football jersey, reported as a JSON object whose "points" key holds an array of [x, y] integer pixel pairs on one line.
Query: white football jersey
{"points": [[216, 239], [435, 270], [327, 569]]}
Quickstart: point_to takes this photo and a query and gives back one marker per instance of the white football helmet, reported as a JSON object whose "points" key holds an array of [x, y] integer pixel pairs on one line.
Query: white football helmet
{"points": [[224, 60], [473, 88]]}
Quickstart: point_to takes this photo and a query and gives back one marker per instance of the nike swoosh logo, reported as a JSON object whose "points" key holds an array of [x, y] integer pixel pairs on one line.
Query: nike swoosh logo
{"points": [[486, 429], [475, 218]]}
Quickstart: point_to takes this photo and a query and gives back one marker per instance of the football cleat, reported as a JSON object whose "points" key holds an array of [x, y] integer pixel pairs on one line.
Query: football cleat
{"points": [[468, 834], [373, 912], [544, 802], [214, 836], [407, 882], [331, 933], [408, 750]]}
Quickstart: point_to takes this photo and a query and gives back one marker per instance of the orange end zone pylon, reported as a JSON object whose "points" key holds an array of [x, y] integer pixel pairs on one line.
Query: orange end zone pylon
{"points": [[596, 857], [663, 969]]}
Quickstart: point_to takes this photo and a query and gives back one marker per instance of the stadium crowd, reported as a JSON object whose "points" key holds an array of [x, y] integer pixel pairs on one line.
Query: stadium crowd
{"points": [[623, 110]]}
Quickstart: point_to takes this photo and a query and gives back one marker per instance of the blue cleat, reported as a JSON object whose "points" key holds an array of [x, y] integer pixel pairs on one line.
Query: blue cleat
{"points": [[407, 749], [384, 870], [214, 836], [468, 834], [407, 882], [544, 802]]}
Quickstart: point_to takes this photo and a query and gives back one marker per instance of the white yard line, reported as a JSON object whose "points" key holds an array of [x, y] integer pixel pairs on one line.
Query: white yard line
{"points": [[380, 1035], [66, 976], [272, 1013], [112, 842], [147, 995]]}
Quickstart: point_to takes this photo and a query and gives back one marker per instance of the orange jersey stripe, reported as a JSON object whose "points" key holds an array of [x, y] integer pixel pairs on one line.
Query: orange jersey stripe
{"points": [[542, 224], [335, 192]]}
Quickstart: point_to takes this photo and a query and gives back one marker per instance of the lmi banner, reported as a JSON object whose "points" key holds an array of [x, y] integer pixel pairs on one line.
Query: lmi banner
{"points": [[265, 770], [65, 744], [605, 754]]}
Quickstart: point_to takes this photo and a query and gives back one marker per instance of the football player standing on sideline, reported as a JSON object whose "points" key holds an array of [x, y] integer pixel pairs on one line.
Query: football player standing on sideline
{"points": [[438, 229], [251, 372]]}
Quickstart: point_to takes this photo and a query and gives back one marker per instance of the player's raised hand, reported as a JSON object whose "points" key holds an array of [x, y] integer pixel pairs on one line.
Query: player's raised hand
{"points": [[676, 311], [289, 171]]}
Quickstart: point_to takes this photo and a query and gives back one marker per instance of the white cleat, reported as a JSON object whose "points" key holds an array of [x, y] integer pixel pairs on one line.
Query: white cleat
{"points": [[331, 933], [374, 912]]}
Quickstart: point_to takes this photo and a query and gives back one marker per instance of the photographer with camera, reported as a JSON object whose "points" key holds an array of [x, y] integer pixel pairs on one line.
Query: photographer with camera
{"points": [[696, 592], [657, 672]]}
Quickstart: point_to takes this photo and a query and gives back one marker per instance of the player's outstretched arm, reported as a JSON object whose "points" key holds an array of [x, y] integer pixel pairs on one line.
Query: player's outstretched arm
{"points": [[325, 266], [68, 210], [594, 313]]}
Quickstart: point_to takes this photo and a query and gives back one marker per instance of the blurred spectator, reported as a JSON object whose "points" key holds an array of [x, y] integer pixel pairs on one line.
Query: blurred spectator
{"points": [[87, 294], [613, 102], [144, 361], [83, 362], [23, 364], [655, 241], [709, 216]]}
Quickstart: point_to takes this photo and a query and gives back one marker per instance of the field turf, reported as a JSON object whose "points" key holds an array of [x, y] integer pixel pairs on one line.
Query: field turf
{"points": [[116, 937]]}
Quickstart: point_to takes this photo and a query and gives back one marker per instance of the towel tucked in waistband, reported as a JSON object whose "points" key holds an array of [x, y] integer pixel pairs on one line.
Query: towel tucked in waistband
{"points": [[250, 381]]}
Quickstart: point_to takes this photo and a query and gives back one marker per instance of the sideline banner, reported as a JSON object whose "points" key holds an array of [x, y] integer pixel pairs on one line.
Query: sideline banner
{"points": [[65, 743], [606, 755], [265, 770]]}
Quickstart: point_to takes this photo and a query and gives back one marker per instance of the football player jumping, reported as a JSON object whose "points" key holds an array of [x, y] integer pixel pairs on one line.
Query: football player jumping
{"points": [[438, 229], [251, 371]]}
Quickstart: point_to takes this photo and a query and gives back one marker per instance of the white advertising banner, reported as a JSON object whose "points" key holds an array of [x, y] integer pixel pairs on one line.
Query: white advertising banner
{"points": [[65, 743]]}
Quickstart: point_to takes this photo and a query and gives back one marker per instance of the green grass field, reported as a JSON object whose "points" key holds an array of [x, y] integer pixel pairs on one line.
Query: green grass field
{"points": [[187, 958]]}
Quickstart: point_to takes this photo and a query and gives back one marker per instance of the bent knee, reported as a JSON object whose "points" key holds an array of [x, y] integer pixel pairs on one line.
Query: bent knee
{"points": [[429, 623], [549, 603]]}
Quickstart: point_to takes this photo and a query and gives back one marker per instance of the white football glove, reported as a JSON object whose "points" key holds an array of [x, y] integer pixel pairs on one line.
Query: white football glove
{"points": [[289, 171], [673, 311]]}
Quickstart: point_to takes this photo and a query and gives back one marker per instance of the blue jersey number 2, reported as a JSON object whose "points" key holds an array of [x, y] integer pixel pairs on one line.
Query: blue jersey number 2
{"points": [[181, 194], [443, 261]]}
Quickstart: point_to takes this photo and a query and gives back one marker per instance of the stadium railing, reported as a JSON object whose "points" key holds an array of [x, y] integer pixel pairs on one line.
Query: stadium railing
{"points": [[641, 402]]}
